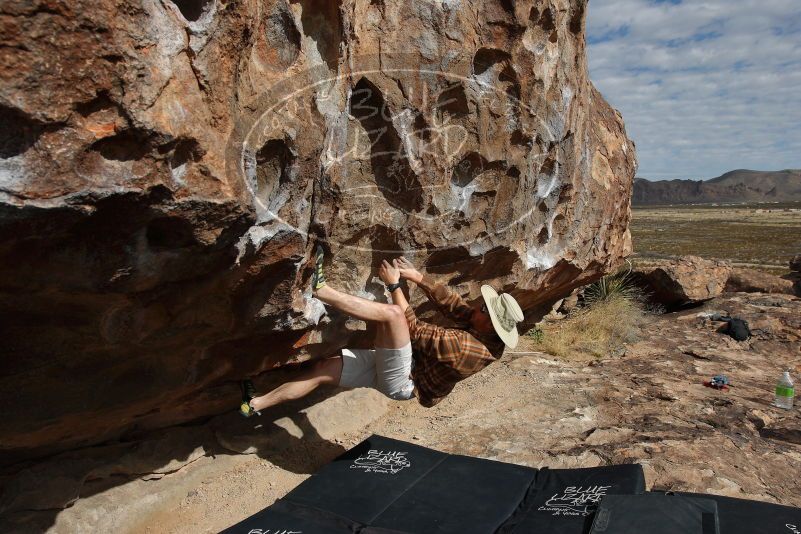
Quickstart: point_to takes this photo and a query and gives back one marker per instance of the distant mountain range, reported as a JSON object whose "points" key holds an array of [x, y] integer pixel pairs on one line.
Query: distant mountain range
{"points": [[735, 186]]}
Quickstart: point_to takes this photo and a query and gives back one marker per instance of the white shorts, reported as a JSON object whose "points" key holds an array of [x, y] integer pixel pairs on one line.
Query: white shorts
{"points": [[386, 370]]}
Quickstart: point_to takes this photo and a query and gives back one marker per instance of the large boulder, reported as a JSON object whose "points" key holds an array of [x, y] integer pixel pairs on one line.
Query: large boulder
{"points": [[167, 168], [683, 281], [753, 281]]}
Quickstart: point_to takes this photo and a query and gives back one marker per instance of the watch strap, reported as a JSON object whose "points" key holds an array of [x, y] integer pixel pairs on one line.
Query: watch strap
{"points": [[393, 287]]}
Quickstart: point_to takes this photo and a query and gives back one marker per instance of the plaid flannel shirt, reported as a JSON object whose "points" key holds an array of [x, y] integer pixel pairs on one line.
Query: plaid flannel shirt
{"points": [[445, 356]]}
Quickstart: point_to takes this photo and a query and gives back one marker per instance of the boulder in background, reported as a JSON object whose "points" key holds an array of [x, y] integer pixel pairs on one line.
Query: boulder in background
{"points": [[683, 281], [753, 281]]}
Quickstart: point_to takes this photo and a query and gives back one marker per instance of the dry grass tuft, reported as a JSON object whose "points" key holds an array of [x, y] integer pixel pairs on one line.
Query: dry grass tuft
{"points": [[599, 329]]}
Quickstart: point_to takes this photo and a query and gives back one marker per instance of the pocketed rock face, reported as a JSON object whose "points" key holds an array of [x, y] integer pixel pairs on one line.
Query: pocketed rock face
{"points": [[166, 168]]}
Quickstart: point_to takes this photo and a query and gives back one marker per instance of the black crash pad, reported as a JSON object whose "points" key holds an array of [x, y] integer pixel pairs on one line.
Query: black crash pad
{"points": [[565, 500], [656, 513], [740, 516], [367, 479], [274, 520], [461, 494], [388, 486]]}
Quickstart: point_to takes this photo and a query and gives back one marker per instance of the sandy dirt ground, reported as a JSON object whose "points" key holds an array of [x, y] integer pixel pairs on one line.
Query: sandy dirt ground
{"points": [[647, 405]]}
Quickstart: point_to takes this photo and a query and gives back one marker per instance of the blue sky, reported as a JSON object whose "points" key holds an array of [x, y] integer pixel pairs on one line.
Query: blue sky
{"points": [[704, 86]]}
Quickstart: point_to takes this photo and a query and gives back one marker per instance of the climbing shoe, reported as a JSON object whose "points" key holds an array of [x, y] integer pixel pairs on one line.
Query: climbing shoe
{"points": [[248, 392], [318, 277]]}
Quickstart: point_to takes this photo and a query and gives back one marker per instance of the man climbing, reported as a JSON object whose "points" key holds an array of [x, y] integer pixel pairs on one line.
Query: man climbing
{"points": [[411, 357]]}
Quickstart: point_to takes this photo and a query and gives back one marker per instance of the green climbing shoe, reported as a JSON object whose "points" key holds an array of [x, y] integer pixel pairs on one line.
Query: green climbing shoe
{"points": [[248, 392], [318, 277], [246, 410]]}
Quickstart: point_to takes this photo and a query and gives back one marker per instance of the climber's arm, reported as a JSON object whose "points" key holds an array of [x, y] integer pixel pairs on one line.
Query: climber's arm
{"points": [[399, 299], [447, 300]]}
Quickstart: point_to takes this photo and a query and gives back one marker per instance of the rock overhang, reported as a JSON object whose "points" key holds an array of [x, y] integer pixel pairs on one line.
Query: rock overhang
{"points": [[162, 193]]}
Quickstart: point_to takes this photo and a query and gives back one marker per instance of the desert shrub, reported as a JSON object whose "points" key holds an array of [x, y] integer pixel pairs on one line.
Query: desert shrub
{"points": [[536, 334], [620, 284], [599, 328]]}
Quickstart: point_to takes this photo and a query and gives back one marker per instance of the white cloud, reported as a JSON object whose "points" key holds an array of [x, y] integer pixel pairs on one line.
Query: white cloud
{"points": [[704, 86]]}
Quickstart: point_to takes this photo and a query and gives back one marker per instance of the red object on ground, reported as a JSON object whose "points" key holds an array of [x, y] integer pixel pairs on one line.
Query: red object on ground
{"points": [[709, 384]]}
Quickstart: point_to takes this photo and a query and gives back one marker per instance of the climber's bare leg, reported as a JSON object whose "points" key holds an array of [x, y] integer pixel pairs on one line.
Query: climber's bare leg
{"points": [[392, 335], [393, 330], [324, 371], [360, 308]]}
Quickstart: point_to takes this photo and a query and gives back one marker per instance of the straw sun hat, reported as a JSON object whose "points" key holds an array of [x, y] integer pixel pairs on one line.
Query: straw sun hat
{"points": [[505, 313]]}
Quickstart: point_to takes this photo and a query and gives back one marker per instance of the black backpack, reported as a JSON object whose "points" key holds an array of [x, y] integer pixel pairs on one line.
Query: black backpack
{"points": [[737, 328]]}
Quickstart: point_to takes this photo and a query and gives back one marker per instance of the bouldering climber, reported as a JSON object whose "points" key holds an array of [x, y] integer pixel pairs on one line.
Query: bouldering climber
{"points": [[411, 357]]}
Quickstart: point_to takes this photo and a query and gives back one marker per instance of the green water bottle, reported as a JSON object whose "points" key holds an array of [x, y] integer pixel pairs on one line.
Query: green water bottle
{"points": [[785, 392]]}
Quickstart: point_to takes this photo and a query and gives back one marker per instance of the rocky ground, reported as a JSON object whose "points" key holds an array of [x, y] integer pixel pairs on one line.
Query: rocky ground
{"points": [[647, 405]]}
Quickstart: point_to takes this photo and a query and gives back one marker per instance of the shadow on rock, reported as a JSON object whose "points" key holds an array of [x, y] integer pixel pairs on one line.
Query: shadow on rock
{"points": [[299, 437]]}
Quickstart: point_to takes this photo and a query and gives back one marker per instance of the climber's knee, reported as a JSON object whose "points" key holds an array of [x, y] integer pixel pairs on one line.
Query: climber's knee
{"points": [[394, 313]]}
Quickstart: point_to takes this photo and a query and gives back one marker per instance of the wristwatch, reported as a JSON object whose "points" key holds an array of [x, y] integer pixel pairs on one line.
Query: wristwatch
{"points": [[393, 287]]}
